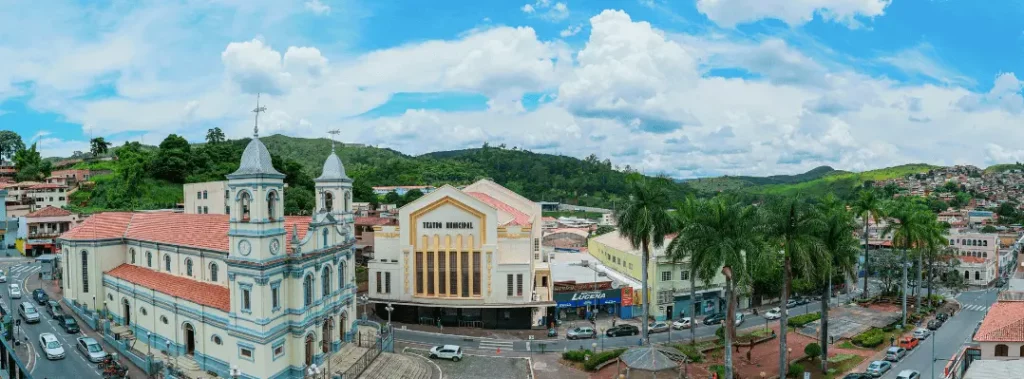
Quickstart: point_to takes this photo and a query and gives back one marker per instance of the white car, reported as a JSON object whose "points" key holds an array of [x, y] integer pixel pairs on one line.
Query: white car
{"points": [[908, 374], [3, 276], [683, 323], [773, 314], [453, 352], [14, 291], [51, 346], [739, 318], [922, 333]]}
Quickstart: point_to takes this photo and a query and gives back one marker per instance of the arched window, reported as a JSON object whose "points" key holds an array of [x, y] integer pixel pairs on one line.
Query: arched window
{"points": [[307, 290], [132, 253], [341, 275], [348, 200], [977, 275], [149, 259], [1021, 351], [213, 272], [245, 202], [188, 266], [204, 195], [325, 237], [167, 262], [328, 201], [271, 204], [325, 280], [85, 271], [967, 275], [984, 255], [984, 243], [1002, 350]]}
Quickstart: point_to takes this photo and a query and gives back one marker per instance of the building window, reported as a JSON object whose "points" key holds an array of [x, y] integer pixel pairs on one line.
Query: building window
{"points": [[442, 279], [544, 281], [199, 209], [245, 201], [199, 195], [536, 244], [149, 259], [167, 262], [245, 352], [279, 351], [476, 273], [307, 290], [163, 319], [216, 340], [206, 210], [430, 272], [204, 195], [213, 272], [984, 243], [85, 271], [341, 275], [325, 237], [271, 204], [142, 310], [246, 301], [510, 284], [977, 275], [684, 275], [419, 272], [1002, 350], [387, 282], [325, 280], [132, 253], [348, 200], [630, 266], [275, 296], [380, 283], [519, 285], [328, 201], [666, 275], [188, 266]]}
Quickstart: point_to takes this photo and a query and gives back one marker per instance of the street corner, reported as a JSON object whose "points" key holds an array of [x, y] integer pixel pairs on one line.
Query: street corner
{"points": [[473, 366]]}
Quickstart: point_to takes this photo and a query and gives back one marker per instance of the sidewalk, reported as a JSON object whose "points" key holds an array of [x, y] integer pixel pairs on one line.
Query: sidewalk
{"points": [[55, 293], [602, 323]]}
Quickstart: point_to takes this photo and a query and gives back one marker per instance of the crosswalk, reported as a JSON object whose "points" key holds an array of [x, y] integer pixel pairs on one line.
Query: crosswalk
{"points": [[976, 308], [24, 269], [492, 344]]}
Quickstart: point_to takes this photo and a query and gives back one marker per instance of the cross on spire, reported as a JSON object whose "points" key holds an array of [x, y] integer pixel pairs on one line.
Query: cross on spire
{"points": [[256, 126], [333, 133]]}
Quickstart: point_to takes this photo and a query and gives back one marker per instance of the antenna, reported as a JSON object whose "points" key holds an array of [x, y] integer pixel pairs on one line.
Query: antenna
{"points": [[256, 126], [333, 133]]}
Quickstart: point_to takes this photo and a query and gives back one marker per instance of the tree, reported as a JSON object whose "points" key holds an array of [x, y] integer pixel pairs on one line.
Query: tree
{"points": [[603, 229], [839, 260], [868, 206], [644, 221], [30, 165], [214, 136], [931, 241], [10, 142], [723, 235], [172, 159], [411, 196], [679, 249], [392, 198], [989, 229], [907, 229], [98, 146], [814, 350], [298, 200], [792, 224]]}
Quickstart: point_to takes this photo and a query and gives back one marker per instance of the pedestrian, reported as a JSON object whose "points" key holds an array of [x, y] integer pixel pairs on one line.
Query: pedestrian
{"points": [[613, 322], [892, 341]]}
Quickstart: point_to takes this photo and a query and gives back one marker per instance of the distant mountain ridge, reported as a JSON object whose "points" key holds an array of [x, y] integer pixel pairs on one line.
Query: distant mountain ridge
{"points": [[726, 183]]}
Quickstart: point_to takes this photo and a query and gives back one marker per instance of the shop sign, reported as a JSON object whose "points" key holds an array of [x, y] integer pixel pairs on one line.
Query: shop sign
{"points": [[572, 286], [585, 298], [40, 241], [627, 296]]}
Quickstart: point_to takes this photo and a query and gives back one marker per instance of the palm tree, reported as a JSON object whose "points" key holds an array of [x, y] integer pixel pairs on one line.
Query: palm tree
{"points": [[792, 224], [908, 219], [840, 246], [722, 235], [868, 206], [679, 250], [644, 221], [933, 243], [99, 146]]}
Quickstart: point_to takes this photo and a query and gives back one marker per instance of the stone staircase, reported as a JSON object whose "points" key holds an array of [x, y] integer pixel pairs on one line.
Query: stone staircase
{"points": [[122, 333], [188, 367], [346, 357], [397, 366]]}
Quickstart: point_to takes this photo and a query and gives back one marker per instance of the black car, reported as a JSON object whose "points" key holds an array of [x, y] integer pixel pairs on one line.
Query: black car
{"points": [[40, 296], [714, 319], [800, 300], [942, 317], [934, 324], [54, 309], [858, 375], [622, 330], [70, 325]]}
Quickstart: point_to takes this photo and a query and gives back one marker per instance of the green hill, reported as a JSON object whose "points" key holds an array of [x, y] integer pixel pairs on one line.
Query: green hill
{"points": [[1003, 167], [841, 182], [732, 183]]}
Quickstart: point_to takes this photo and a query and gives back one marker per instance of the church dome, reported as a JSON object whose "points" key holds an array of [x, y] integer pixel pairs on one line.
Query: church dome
{"points": [[333, 169], [256, 160]]}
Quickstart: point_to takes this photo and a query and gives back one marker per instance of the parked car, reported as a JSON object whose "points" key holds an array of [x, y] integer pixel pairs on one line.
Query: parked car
{"points": [[683, 323], [54, 309], [453, 352], [739, 319], [622, 330], [908, 343], [581, 332], [801, 300], [792, 303], [922, 333], [908, 374], [714, 319], [14, 291], [51, 346], [773, 314], [658, 327], [3, 276], [70, 325], [40, 296], [895, 353], [934, 324], [28, 312], [858, 375], [942, 316], [91, 349], [879, 368]]}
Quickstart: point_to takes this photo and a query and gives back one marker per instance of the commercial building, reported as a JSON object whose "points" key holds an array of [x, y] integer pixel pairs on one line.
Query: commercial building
{"points": [[669, 282], [978, 254], [38, 231], [582, 287], [207, 198], [268, 293], [47, 195], [467, 257]]}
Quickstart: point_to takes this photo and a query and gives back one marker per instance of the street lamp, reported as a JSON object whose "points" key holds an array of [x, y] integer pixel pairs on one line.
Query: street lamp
{"points": [[149, 343], [235, 372], [168, 344], [366, 300], [94, 303], [593, 346], [389, 308]]}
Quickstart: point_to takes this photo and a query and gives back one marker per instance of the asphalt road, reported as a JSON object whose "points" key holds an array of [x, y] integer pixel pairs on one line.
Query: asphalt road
{"points": [[949, 338], [73, 364]]}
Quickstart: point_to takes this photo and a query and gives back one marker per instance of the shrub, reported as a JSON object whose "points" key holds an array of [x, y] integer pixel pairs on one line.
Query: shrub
{"points": [[801, 320], [812, 350], [690, 352], [576, 355], [602, 357], [718, 369], [841, 357], [720, 332], [870, 338], [796, 370]]}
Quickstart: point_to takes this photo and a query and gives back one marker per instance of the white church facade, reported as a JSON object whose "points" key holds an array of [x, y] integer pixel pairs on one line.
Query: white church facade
{"points": [[253, 289]]}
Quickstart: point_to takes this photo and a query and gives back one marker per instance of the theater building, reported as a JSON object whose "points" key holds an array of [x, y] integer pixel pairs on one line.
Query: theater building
{"points": [[269, 293], [467, 257]]}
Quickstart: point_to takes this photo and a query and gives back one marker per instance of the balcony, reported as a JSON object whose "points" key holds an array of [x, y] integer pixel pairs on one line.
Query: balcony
{"points": [[44, 234]]}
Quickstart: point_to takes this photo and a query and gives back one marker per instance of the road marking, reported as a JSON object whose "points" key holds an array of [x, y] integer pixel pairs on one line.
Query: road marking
{"points": [[439, 372], [492, 344]]}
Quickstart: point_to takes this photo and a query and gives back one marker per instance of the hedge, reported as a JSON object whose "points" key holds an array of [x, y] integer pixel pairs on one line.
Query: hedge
{"points": [[801, 320], [690, 351], [576, 355], [599, 358], [870, 338]]}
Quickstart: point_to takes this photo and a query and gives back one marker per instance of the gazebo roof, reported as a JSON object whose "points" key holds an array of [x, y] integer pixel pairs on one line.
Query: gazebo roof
{"points": [[647, 358]]}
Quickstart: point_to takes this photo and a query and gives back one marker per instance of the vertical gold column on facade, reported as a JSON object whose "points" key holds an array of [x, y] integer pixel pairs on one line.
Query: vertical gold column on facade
{"points": [[437, 254], [458, 263], [443, 265], [422, 262], [472, 247]]}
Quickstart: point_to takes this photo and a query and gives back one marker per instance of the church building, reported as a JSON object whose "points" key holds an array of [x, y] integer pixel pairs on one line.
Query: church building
{"points": [[268, 293]]}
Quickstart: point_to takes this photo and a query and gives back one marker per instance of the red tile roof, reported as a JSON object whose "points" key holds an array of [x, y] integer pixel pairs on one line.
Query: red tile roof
{"points": [[1004, 322], [204, 231], [518, 217], [374, 220], [201, 293], [50, 211], [971, 259]]}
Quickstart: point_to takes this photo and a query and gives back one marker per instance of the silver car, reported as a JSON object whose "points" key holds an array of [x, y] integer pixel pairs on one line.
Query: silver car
{"points": [[91, 349], [14, 291], [922, 333], [658, 327], [581, 332], [879, 368], [51, 346]]}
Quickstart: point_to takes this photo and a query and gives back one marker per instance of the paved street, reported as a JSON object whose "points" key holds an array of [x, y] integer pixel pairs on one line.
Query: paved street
{"points": [[949, 338], [37, 364]]}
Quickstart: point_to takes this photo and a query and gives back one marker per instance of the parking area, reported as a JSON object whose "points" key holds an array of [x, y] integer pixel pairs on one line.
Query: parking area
{"points": [[480, 366]]}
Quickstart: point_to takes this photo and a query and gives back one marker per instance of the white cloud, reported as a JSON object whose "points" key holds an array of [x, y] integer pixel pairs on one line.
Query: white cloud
{"points": [[527, 8], [556, 12], [318, 7], [921, 60], [39, 134], [999, 154], [729, 13], [570, 31], [1005, 94]]}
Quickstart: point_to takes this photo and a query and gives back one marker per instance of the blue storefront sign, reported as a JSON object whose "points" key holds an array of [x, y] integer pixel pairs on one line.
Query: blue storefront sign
{"points": [[588, 298]]}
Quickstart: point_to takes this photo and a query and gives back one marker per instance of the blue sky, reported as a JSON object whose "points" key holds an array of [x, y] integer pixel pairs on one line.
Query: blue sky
{"points": [[687, 88]]}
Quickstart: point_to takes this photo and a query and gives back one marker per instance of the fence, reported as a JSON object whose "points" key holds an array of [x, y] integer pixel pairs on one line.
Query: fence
{"points": [[145, 362], [364, 360], [10, 363]]}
